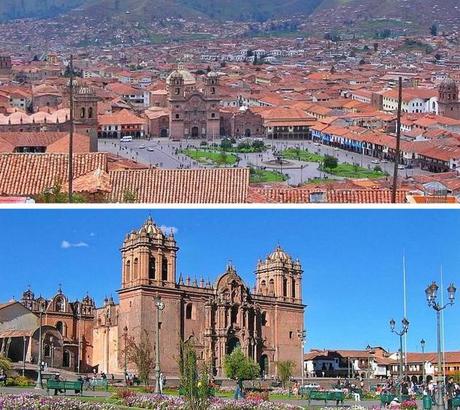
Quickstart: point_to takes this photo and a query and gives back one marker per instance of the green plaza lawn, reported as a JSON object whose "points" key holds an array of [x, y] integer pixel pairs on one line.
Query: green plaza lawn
{"points": [[301, 155], [342, 170], [213, 157], [262, 175]]}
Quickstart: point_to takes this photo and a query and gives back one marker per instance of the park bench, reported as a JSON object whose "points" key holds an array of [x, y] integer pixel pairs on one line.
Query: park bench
{"points": [[387, 398], [65, 385], [337, 396], [456, 402], [94, 383]]}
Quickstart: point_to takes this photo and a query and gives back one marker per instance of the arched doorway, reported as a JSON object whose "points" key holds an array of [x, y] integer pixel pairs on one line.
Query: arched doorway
{"points": [[164, 133], [66, 359], [232, 344], [195, 132], [264, 366], [247, 133]]}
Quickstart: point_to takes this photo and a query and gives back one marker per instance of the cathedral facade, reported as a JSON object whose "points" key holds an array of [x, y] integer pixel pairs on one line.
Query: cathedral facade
{"points": [[193, 105], [265, 321]]}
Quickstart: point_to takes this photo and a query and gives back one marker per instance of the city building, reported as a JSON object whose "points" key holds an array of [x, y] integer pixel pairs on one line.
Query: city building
{"points": [[448, 101]]}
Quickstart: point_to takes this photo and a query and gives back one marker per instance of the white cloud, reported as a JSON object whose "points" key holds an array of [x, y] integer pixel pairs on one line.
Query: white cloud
{"points": [[168, 229], [66, 244], [92, 234]]}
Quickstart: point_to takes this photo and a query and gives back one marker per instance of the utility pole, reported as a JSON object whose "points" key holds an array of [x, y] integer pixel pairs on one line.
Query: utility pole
{"points": [[160, 306], [71, 129], [398, 144]]}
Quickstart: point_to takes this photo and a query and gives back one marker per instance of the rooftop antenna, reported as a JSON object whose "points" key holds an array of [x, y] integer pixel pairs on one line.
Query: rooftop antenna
{"points": [[398, 144], [71, 130]]}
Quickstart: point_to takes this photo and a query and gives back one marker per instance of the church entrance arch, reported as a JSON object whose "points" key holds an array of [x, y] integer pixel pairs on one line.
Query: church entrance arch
{"points": [[232, 344], [195, 132], [66, 359], [164, 133], [264, 365], [247, 133]]}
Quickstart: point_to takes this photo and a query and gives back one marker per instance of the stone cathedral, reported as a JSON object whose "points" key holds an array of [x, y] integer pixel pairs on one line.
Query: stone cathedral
{"points": [[265, 321]]}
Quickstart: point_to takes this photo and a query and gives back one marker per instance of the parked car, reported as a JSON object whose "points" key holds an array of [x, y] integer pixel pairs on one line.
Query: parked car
{"points": [[141, 147], [375, 161], [150, 149], [126, 138]]}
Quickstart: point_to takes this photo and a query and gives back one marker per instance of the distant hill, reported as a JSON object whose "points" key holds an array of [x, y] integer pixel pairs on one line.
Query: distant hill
{"points": [[16, 9], [332, 12]]}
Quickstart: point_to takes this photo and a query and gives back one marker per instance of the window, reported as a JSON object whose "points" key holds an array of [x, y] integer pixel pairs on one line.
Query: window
{"points": [[263, 287], [90, 112], [82, 112], [284, 287], [290, 335], [271, 286], [177, 116], [177, 91], [135, 268], [59, 305], [213, 115], [152, 267], [293, 288], [128, 271], [189, 311], [164, 268], [60, 328]]}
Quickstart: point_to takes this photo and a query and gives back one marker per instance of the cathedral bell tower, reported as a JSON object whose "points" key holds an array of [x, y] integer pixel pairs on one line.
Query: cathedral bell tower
{"points": [[279, 276], [149, 257], [85, 114]]}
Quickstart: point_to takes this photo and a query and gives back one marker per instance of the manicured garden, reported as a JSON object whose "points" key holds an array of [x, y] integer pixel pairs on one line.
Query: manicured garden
{"points": [[262, 175], [211, 156], [354, 171], [301, 155]]}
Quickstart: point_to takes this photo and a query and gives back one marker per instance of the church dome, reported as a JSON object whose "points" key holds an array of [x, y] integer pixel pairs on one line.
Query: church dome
{"points": [[187, 76], [279, 255], [150, 227], [448, 86]]}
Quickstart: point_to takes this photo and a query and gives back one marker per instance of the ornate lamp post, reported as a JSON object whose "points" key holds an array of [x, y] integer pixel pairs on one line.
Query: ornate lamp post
{"points": [[401, 333], [160, 306], [302, 335], [24, 339], [422, 344], [38, 383], [431, 296]]}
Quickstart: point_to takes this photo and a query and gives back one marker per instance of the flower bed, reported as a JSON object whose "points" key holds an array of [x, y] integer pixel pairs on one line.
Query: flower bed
{"points": [[35, 402]]}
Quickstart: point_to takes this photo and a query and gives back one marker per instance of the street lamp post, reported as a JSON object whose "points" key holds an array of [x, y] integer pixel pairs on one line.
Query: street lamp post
{"points": [[38, 383], [302, 334], [125, 336], [422, 344], [79, 336], [431, 296], [160, 306], [24, 339], [52, 350], [401, 333]]}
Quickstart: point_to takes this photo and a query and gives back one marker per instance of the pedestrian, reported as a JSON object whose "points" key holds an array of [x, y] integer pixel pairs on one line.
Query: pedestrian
{"points": [[450, 392]]}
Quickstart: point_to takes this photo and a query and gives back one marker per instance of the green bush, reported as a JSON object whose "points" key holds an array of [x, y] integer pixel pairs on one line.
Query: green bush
{"points": [[19, 381]]}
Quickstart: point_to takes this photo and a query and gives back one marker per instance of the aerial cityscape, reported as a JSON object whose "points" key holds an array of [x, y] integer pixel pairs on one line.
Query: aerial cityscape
{"points": [[230, 103], [229, 205]]}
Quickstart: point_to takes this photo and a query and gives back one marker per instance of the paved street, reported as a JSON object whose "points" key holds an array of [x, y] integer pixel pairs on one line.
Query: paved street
{"points": [[165, 154]]}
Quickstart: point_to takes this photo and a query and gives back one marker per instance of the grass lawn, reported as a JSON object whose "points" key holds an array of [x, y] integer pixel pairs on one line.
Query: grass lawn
{"points": [[260, 175], [301, 155], [352, 171], [211, 157]]}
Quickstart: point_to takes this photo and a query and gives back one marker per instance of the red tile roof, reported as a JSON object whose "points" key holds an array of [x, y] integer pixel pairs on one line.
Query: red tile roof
{"points": [[220, 185]]}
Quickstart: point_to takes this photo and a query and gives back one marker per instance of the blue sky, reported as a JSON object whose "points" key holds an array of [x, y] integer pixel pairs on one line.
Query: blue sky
{"points": [[352, 265]]}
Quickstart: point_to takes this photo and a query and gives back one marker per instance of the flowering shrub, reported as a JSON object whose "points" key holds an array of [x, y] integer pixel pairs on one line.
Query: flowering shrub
{"points": [[409, 405], [155, 401], [279, 390], [123, 393], [221, 404], [257, 395], [34, 402]]}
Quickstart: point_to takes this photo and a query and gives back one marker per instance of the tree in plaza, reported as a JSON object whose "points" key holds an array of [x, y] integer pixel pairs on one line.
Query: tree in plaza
{"points": [[330, 162], [194, 384], [285, 371], [239, 367], [226, 144], [140, 354], [5, 364]]}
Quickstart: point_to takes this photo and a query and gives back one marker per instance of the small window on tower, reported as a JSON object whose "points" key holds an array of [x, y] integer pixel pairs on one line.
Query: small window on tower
{"points": [[177, 91], [177, 116], [290, 335], [189, 311], [213, 90], [82, 112], [90, 112]]}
